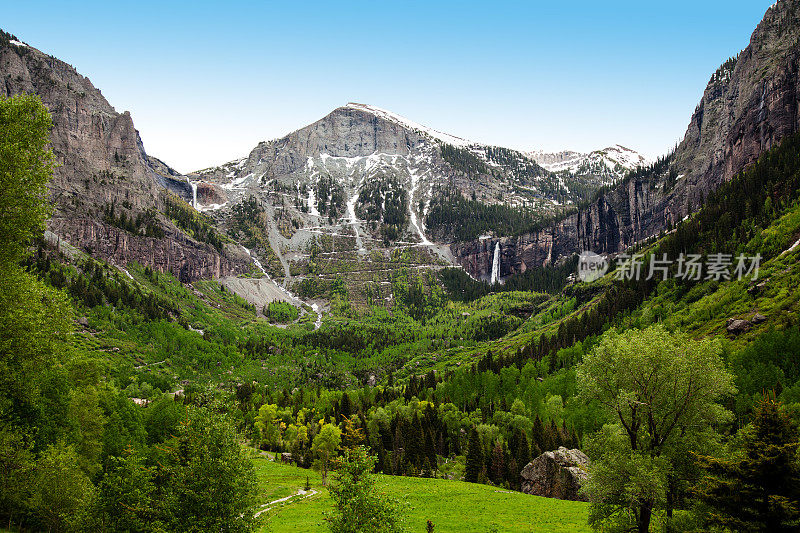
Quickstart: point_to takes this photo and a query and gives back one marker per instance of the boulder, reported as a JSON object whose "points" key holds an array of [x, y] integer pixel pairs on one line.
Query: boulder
{"points": [[737, 326], [758, 318], [757, 287], [557, 474]]}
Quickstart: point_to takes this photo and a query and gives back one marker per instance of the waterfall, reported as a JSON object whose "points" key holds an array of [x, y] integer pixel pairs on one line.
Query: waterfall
{"points": [[194, 192], [496, 265]]}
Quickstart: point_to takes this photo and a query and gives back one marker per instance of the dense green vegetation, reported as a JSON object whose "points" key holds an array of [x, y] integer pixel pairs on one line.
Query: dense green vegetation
{"points": [[330, 198], [450, 379], [281, 312], [195, 224], [450, 215], [463, 160], [384, 202], [75, 453], [552, 279]]}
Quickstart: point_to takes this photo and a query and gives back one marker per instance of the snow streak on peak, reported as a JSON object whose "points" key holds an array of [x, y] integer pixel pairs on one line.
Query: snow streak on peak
{"points": [[614, 157], [409, 124], [624, 157]]}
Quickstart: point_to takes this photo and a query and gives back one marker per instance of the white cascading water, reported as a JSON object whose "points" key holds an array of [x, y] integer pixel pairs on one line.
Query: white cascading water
{"points": [[194, 192], [496, 265]]}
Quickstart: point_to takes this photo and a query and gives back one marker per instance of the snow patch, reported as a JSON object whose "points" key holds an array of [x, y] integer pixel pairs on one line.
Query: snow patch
{"points": [[409, 124], [312, 202], [413, 214]]}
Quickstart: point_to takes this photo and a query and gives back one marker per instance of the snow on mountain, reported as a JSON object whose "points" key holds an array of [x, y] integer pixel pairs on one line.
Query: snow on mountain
{"points": [[410, 124], [616, 160], [372, 174]]}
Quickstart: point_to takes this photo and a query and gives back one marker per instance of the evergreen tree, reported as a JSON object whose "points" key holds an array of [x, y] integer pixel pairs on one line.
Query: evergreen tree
{"points": [[415, 443], [345, 407], [498, 470], [523, 456], [759, 490], [538, 434], [358, 506], [430, 450], [352, 436], [474, 461]]}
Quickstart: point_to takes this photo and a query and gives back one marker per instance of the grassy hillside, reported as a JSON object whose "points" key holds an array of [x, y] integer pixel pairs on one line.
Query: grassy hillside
{"points": [[453, 506]]}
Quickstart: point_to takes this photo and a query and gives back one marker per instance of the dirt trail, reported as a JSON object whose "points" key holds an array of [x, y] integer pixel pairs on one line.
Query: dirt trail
{"points": [[302, 494]]}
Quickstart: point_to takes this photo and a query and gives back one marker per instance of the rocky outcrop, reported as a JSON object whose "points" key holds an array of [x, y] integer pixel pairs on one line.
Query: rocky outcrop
{"points": [[749, 105], [557, 474], [101, 161], [187, 259], [517, 254], [210, 194]]}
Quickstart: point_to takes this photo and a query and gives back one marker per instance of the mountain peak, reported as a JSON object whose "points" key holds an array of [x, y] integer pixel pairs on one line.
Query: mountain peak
{"points": [[408, 124]]}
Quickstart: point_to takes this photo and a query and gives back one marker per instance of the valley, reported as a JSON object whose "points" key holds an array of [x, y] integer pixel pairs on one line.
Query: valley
{"points": [[370, 307]]}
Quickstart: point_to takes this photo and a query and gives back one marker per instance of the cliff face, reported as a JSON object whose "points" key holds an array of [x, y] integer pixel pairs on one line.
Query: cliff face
{"points": [[749, 105], [186, 259], [101, 161]]}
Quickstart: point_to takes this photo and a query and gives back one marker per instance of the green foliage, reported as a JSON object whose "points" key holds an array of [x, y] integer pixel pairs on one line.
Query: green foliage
{"points": [[330, 197], [62, 496], [144, 224], [551, 279], [450, 215], [769, 363], [211, 482], [34, 325], [384, 201], [26, 165], [325, 444], [196, 224], [358, 506], [660, 389], [463, 160], [737, 212], [127, 495], [281, 312], [474, 465], [757, 489]]}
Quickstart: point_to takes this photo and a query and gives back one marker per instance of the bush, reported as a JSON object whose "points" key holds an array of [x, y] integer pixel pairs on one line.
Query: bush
{"points": [[281, 312]]}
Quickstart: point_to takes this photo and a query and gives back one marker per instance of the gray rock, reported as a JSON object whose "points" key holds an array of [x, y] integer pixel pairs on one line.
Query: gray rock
{"points": [[756, 288], [557, 474], [747, 108], [737, 326], [758, 318]]}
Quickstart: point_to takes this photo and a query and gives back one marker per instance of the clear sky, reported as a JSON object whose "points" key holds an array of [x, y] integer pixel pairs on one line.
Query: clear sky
{"points": [[206, 81]]}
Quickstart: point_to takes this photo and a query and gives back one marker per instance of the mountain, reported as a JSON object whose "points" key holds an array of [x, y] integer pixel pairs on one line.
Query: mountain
{"points": [[606, 165], [374, 180], [357, 144], [360, 174], [102, 163], [749, 105]]}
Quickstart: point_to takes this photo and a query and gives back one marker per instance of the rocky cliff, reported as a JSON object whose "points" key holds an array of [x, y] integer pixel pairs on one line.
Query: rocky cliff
{"points": [[750, 104], [102, 162]]}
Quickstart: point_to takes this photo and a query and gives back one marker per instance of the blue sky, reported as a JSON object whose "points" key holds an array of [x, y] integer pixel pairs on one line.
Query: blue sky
{"points": [[205, 81]]}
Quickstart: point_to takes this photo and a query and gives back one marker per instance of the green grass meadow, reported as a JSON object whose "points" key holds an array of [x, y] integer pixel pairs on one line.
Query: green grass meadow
{"points": [[452, 506]]}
